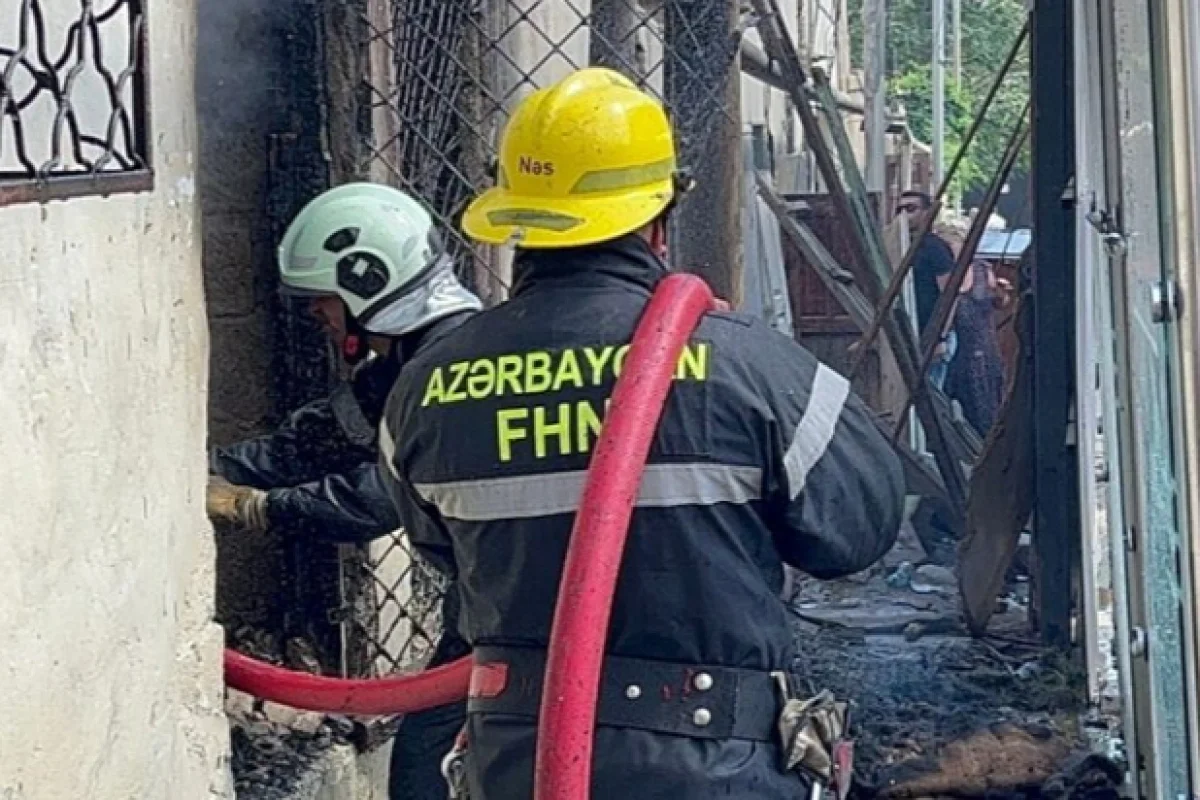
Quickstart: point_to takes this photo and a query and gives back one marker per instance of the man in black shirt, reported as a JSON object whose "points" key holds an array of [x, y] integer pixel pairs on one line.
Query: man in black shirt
{"points": [[931, 270]]}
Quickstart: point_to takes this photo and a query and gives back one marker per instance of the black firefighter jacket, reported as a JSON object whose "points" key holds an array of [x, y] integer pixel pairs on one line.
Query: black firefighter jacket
{"points": [[320, 468], [763, 456], [321, 472]]}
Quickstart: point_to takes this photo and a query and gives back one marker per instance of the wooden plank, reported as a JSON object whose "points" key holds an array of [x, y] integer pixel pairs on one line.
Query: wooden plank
{"points": [[856, 188], [1002, 492], [897, 282], [919, 477]]}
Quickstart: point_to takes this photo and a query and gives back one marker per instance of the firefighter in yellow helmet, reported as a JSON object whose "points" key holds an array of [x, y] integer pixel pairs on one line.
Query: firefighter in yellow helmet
{"points": [[763, 457], [585, 162]]}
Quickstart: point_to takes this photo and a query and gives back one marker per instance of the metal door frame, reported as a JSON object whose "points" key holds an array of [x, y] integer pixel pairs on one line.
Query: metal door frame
{"points": [[1164, 49], [1095, 358], [1177, 33]]}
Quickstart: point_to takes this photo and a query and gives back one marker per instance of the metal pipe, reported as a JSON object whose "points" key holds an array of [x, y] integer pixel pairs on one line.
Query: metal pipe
{"points": [[757, 65], [939, 91], [957, 33], [874, 58]]}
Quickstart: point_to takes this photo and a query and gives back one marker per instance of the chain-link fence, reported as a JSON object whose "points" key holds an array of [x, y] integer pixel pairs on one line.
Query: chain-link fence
{"points": [[442, 77], [73, 110]]}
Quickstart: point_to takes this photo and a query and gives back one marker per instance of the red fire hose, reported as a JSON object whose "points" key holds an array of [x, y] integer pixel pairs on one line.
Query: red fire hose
{"points": [[568, 713], [405, 694], [567, 722]]}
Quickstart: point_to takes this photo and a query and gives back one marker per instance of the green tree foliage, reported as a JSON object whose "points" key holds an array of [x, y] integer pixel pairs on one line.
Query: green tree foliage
{"points": [[915, 88], [989, 28]]}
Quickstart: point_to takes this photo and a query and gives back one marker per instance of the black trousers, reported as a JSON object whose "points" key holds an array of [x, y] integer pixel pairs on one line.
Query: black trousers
{"points": [[631, 765], [424, 739]]}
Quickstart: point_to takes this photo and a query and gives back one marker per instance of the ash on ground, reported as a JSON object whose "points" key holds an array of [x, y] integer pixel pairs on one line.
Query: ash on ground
{"points": [[280, 765], [280, 753], [936, 713]]}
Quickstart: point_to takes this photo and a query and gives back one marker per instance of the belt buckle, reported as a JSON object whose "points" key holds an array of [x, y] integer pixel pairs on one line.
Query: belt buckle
{"points": [[783, 687]]}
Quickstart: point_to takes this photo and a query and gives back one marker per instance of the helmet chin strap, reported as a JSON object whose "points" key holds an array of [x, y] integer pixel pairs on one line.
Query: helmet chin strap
{"points": [[354, 347]]}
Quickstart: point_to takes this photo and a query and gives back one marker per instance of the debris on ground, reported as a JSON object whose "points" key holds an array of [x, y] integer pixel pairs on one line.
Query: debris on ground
{"points": [[935, 712], [998, 757], [1088, 777], [278, 752], [934, 579]]}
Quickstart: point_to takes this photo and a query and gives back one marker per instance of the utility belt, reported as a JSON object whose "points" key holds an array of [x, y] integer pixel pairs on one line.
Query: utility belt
{"points": [[703, 702]]}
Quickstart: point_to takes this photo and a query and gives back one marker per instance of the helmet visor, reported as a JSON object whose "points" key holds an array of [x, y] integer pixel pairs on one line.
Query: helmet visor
{"points": [[302, 292]]}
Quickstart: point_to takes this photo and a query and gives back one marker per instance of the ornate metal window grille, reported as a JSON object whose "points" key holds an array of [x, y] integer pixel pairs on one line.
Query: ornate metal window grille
{"points": [[74, 107]]}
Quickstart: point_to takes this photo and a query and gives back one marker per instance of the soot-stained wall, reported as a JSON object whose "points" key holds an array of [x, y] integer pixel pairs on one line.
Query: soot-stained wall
{"points": [[264, 111]]}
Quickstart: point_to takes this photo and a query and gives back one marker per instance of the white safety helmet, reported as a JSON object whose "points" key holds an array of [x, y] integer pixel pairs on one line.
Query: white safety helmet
{"points": [[376, 248]]}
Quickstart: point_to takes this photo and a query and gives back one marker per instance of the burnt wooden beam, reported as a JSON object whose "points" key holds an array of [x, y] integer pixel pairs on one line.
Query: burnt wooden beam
{"points": [[1002, 492], [702, 84]]}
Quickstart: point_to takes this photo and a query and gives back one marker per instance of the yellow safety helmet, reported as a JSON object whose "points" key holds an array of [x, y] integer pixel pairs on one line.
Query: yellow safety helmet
{"points": [[587, 160]]}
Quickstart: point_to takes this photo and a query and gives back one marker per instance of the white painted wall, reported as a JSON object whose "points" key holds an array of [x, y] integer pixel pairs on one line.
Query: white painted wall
{"points": [[110, 680]]}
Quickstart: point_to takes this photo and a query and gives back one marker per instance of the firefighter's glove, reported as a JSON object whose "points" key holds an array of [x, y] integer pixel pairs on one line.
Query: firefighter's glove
{"points": [[236, 505], [809, 729]]}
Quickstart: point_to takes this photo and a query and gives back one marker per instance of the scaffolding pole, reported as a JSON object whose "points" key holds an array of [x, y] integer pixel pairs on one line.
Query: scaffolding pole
{"points": [[939, 90], [874, 59]]}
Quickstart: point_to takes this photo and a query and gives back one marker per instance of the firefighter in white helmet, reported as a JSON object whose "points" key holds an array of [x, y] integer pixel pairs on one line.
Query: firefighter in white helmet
{"points": [[378, 278]]}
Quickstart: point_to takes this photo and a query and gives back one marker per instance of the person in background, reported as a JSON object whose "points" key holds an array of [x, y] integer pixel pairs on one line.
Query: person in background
{"points": [[376, 276], [976, 375], [931, 268]]}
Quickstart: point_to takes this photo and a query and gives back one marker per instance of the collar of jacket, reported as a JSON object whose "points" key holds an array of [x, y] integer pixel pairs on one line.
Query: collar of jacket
{"points": [[408, 345], [626, 260]]}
